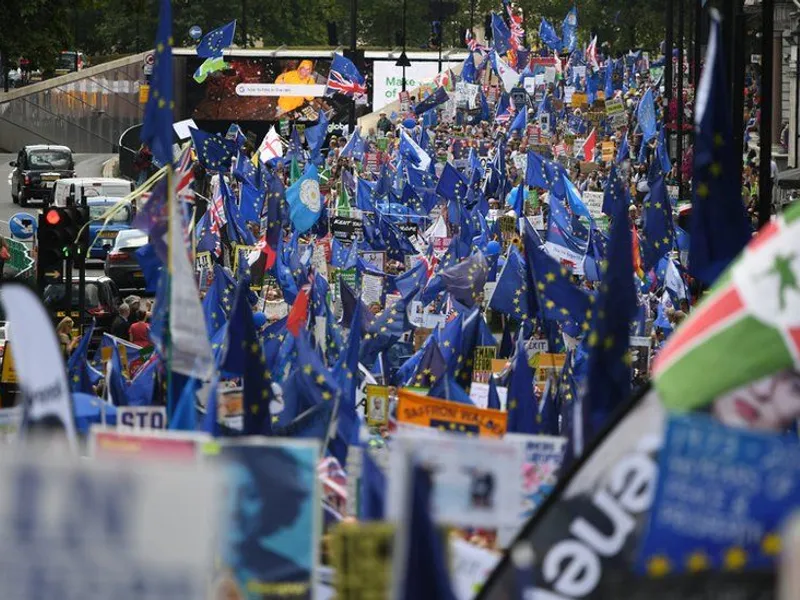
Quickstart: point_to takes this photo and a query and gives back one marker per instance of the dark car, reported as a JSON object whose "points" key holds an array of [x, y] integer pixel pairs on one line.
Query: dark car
{"points": [[102, 302], [36, 170], [121, 265]]}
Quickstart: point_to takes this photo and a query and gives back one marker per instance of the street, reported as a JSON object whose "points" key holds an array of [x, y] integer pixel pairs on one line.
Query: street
{"points": [[86, 165]]}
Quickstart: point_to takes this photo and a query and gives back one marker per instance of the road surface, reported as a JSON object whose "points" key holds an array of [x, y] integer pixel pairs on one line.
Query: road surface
{"points": [[86, 165]]}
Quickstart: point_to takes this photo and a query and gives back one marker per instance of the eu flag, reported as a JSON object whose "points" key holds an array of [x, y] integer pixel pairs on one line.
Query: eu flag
{"points": [[549, 36], [646, 114], [501, 34], [157, 123], [609, 376], [659, 235], [214, 152], [452, 184], [510, 295], [719, 227], [439, 96], [214, 42], [82, 377], [522, 408]]}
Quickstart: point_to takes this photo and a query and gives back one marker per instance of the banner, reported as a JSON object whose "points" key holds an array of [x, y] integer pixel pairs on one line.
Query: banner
{"points": [[721, 500], [450, 416], [178, 446], [387, 79], [270, 535], [476, 481], [95, 531], [141, 417], [38, 362]]}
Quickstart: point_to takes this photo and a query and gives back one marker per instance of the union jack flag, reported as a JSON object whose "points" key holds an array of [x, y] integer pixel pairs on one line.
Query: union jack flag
{"points": [[517, 32], [473, 44], [506, 115], [345, 78], [184, 177]]}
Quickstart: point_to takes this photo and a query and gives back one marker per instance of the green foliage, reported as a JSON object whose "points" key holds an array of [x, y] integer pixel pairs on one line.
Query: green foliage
{"points": [[121, 26], [35, 29]]}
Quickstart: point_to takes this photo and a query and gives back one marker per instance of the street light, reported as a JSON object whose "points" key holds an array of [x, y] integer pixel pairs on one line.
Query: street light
{"points": [[403, 60]]}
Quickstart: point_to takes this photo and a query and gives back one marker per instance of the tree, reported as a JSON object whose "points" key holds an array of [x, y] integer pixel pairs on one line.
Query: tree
{"points": [[37, 30]]}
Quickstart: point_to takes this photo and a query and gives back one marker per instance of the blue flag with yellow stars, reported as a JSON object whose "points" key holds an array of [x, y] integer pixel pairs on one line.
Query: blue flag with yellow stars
{"points": [[559, 298], [548, 35], [214, 152], [447, 388], [83, 377], [609, 376], [157, 130], [439, 96], [214, 42], [615, 193], [719, 226], [466, 279], [510, 295], [217, 302], [430, 368], [659, 235], [452, 184], [522, 407]]}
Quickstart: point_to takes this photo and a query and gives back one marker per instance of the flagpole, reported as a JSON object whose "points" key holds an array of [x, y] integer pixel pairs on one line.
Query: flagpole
{"points": [[167, 333]]}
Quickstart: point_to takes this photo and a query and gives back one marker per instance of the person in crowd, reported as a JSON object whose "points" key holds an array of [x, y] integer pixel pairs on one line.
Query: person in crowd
{"points": [[121, 323], [65, 338], [139, 331]]}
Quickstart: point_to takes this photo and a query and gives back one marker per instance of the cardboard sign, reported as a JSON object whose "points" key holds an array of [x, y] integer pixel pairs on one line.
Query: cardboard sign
{"points": [[579, 100], [179, 446], [451, 416], [377, 405], [609, 151], [594, 201], [615, 109], [482, 363], [141, 417]]}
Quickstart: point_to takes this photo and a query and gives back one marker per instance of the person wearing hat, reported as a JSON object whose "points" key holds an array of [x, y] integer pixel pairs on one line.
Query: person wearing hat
{"points": [[303, 75], [384, 124]]}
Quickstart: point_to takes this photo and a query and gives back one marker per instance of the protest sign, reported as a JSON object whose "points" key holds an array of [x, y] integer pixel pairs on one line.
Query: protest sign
{"points": [[721, 499], [375, 258], [479, 393], [377, 405], [8, 373], [10, 419], [640, 357], [471, 566], [347, 229], [579, 100], [361, 554], [542, 457], [271, 530], [594, 202], [450, 416], [141, 417], [535, 346], [476, 482], [96, 531], [180, 446], [608, 151], [372, 289], [482, 363], [615, 109], [547, 365]]}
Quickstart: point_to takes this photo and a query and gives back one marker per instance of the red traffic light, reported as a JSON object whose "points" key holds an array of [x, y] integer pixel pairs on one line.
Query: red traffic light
{"points": [[53, 217]]}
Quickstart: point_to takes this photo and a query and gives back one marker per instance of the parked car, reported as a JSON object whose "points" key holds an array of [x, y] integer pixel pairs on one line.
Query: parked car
{"points": [[121, 265], [102, 302], [67, 192], [36, 171], [101, 237]]}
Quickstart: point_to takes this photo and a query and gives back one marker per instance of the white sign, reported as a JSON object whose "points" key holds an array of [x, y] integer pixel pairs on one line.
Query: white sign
{"points": [[96, 530], [536, 345], [472, 566], [594, 202], [387, 80], [476, 481], [141, 417], [280, 89]]}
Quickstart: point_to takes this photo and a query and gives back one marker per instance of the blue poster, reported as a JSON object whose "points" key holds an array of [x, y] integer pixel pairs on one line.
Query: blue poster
{"points": [[270, 526], [721, 499]]}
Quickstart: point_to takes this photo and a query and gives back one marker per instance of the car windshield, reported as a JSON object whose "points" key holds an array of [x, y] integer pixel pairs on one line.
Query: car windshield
{"points": [[66, 60], [40, 160], [131, 238], [120, 216], [54, 295]]}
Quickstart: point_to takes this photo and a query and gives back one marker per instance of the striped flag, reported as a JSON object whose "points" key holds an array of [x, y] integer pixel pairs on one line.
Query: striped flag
{"points": [[747, 328]]}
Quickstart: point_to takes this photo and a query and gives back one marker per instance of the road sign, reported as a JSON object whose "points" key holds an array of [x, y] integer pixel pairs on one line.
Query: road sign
{"points": [[148, 62], [20, 259], [22, 226]]}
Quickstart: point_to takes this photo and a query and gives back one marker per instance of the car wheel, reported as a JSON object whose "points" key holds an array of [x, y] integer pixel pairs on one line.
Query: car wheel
{"points": [[14, 198], [23, 201]]}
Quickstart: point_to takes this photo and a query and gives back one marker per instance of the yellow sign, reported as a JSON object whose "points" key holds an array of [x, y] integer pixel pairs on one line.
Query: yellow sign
{"points": [[579, 100], [608, 151], [144, 93], [482, 363], [450, 416], [9, 373], [548, 364], [377, 405], [361, 554]]}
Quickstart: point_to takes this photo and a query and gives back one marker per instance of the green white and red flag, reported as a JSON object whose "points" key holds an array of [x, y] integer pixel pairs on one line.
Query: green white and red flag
{"points": [[747, 328]]}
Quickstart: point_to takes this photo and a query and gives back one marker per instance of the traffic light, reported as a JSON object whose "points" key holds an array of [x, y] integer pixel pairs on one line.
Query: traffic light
{"points": [[61, 236]]}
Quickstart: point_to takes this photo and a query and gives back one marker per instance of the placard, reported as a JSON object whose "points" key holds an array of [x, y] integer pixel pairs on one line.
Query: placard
{"points": [[721, 498], [376, 258], [615, 109], [377, 405], [450, 416], [579, 100], [542, 458], [347, 229], [472, 566], [141, 417], [608, 151], [94, 530], [482, 363], [361, 554], [594, 202], [270, 533], [535, 346], [8, 373], [371, 289], [476, 482], [108, 443]]}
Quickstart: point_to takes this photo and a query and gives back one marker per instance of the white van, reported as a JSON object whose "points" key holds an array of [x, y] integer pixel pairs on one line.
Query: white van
{"points": [[67, 191]]}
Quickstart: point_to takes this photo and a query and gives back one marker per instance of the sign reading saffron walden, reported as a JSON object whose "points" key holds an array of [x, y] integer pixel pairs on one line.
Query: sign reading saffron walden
{"points": [[90, 530], [451, 416]]}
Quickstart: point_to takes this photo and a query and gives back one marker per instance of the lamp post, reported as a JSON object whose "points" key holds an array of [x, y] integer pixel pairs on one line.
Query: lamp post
{"points": [[403, 60]]}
